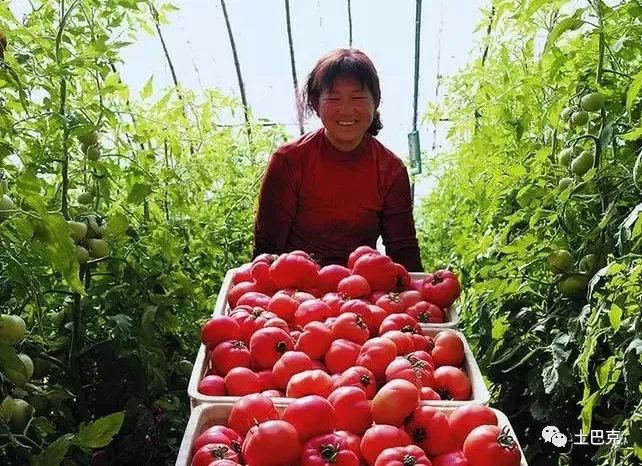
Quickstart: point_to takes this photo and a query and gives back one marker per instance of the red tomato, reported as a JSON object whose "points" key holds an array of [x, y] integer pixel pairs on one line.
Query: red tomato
{"points": [[283, 306], [390, 303], [378, 316], [452, 384], [242, 274], [409, 298], [330, 276], [219, 329], [311, 310], [465, 418], [375, 295], [218, 434], [376, 354], [354, 442], [314, 340], [402, 322], [311, 416], [242, 381], [211, 452], [239, 290], [354, 286], [254, 299], [272, 443], [292, 362], [268, 344], [224, 463], [402, 340], [312, 382], [422, 355], [417, 372], [341, 355], [267, 379], [295, 271], [328, 450], [428, 394], [334, 302], [448, 350], [420, 342], [250, 319], [452, 458], [272, 393], [352, 409], [359, 307], [296, 294], [278, 323], [491, 446], [426, 313], [249, 410], [351, 327], [394, 402], [441, 288], [403, 278], [429, 429], [212, 385], [261, 275], [357, 253], [228, 355], [379, 270], [359, 377], [379, 437], [411, 455]]}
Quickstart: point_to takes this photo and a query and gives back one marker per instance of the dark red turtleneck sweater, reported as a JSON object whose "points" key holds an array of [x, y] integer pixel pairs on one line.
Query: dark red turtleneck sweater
{"points": [[328, 202]]}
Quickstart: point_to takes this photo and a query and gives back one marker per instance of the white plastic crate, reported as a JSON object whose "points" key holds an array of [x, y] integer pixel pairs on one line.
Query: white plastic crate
{"points": [[207, 415], [479, 393]]}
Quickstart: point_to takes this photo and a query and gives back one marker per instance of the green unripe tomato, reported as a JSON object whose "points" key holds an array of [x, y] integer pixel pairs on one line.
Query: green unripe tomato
{"points": [[97, 248], [574, 285], [588, 264], [93, 152], [564, 183], [6, 205], [88, 139], [20, 416], [560, 261], [85, 198], [582, 163], [564, 157], [566, 114], [12, 328], [78, 230], [592, 102], [580, 118], [82, 254]]}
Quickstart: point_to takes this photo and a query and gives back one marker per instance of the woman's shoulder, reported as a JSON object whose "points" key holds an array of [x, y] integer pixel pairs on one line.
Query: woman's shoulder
{"points": [[299, 146], [386, 157]]}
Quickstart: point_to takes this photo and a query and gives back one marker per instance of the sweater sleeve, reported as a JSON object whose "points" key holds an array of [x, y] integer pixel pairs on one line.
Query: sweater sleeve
{"points": [[398, 224], [276, 208]]}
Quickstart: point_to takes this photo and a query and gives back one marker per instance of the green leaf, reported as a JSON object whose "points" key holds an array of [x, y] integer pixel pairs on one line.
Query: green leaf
{"points": [[615, 316], [550, 377], [588, 404], [138, 193], [632, 135], [607, 374], [147, 322], [54, 453], [606, 136], [634, 90], [6, 408], [99, 433], [500, 326], [567, 24], [533, 7], [148, 88], [52, 231]]}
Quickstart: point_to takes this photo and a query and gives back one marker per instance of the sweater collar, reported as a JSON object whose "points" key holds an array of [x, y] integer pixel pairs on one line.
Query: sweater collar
{"points": [[328, 150]]}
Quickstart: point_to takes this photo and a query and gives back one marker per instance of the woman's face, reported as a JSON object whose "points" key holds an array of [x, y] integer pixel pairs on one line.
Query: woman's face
{"points": [[346, 111]]}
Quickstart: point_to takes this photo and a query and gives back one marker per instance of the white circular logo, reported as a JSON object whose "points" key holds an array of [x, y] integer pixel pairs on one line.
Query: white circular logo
{"points": [[548, 432]]}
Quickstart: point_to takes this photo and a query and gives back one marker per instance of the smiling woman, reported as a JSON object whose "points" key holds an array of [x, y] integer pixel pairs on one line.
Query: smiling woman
{"points": [[337, 188]]}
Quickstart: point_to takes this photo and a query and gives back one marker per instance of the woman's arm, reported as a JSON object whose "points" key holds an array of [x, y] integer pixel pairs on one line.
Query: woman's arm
{"points": [[398, 224], [276, 209]]}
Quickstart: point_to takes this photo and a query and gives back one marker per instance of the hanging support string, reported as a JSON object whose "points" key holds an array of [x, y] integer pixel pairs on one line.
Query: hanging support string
{"points": [[299, 110]]}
